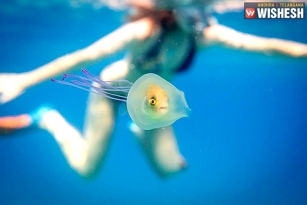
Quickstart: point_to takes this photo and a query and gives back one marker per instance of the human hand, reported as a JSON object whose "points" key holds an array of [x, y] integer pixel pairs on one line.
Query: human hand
{"points": [[10, 87]]}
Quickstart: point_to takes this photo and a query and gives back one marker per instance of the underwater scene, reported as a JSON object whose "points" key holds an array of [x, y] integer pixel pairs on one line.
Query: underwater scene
{"points": [[244, 141]]}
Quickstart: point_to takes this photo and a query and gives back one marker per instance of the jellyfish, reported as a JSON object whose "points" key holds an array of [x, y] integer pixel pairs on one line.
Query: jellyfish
{"points": [[152, 102]]}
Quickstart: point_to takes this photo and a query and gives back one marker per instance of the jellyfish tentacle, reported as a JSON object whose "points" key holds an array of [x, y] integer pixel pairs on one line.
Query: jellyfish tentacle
{"points": [[70, 84], [94, 90], [104, 89], [104, 84], [94, 78]]}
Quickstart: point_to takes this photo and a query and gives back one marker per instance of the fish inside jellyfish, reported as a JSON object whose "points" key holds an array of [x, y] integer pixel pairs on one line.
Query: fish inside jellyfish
{"points": [[152, 102]]}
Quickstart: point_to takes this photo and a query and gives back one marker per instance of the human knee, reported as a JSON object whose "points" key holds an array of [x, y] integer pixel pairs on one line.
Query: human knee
{"points": [[161, 148], [168, 159], [84, 167]]}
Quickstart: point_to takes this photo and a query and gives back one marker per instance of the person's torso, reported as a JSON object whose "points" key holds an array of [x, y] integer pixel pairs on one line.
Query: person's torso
{"points": [[163, 53]]}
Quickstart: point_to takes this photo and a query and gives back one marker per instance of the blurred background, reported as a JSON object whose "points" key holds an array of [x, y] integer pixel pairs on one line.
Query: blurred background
{"points": [[245, 141]]}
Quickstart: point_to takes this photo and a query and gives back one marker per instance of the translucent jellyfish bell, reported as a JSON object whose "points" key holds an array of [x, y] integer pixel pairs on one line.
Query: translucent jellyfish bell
{"points": [[152, 102]]}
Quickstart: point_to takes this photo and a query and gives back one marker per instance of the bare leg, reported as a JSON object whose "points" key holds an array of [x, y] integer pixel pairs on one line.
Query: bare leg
{"points": [[160, 145], [85, 155], [161, 148]]}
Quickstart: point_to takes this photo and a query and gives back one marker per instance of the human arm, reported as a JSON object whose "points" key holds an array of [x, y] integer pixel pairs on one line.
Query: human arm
{"points": [[228, 37], [13, 85]]}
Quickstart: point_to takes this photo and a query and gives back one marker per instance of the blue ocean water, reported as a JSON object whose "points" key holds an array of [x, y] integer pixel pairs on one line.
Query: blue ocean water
{"points": [[245, 141]]}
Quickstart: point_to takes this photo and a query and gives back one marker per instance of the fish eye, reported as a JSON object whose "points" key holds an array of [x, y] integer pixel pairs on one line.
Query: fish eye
{"points": [[152, 101]]}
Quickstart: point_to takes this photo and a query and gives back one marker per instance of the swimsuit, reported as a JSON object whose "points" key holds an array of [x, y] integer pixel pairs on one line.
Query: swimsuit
{"points": [[151, 59], [191, 21]]}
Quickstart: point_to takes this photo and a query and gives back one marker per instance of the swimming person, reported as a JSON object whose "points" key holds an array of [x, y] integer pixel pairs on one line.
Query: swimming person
{"points": [[160, 37]]}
